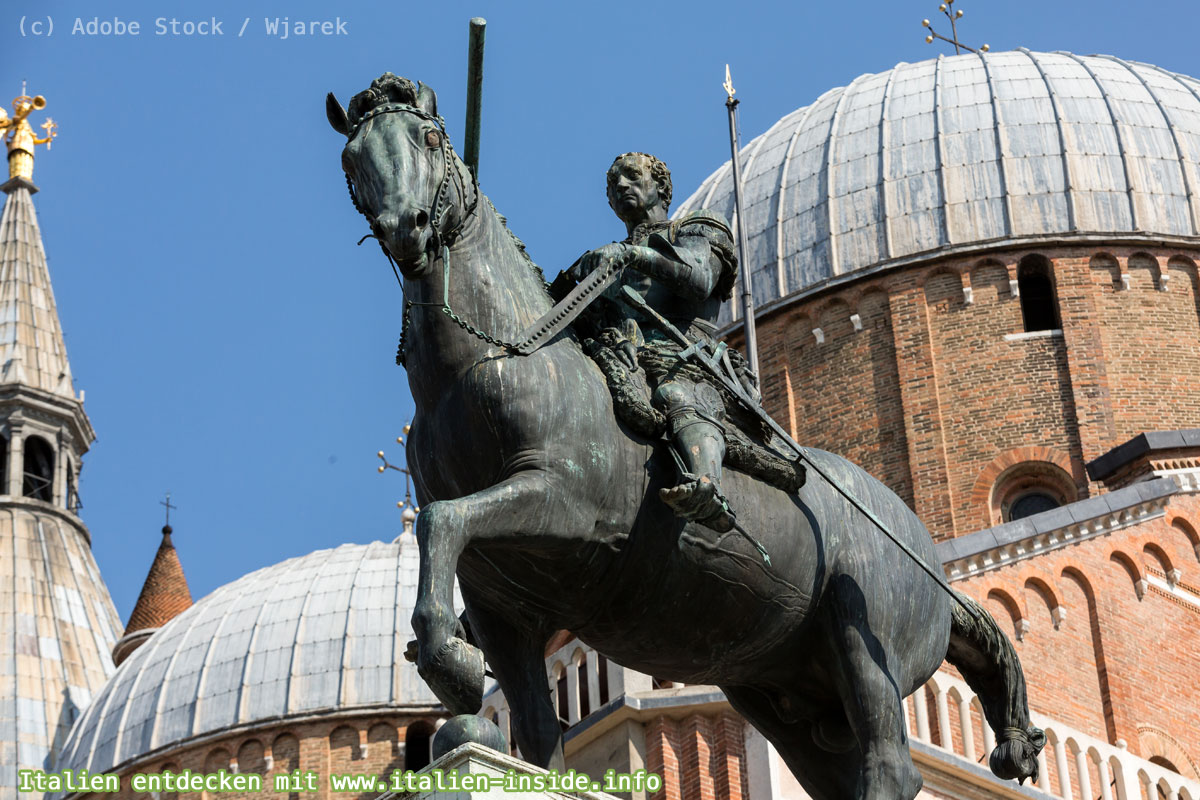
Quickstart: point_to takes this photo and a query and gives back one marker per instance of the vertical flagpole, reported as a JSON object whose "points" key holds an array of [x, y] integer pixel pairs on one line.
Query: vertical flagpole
{"points": [[474, 94], [747, 295]]}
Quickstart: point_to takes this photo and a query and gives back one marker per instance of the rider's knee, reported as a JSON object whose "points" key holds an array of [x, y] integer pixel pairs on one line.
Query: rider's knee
{"points": [[672, 394]]}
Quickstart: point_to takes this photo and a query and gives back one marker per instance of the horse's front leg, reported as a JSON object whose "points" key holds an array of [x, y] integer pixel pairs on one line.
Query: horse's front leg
{"points": [[520, 505]]}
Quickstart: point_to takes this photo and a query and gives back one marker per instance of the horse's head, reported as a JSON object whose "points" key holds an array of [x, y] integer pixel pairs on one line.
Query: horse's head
{"points": [[403, 174]]}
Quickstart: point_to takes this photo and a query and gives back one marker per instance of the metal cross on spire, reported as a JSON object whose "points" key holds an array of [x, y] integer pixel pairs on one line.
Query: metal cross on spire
{"points": [[167, 503], [954, 16]]}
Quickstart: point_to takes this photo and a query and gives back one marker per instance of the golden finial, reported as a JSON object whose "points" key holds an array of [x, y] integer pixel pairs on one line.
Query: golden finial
{"points": [[20, 137], [954, 15], [728, 84]]}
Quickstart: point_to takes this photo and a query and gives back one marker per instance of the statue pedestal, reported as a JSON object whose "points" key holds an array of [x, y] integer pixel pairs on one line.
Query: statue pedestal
{"points": [[495, 776]]}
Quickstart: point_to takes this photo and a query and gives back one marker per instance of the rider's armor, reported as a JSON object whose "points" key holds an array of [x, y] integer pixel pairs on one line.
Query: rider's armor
{"points": [[695, 250]]}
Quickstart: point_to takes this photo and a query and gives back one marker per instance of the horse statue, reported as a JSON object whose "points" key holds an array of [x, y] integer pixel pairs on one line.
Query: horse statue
{"points": [[547, 508]]}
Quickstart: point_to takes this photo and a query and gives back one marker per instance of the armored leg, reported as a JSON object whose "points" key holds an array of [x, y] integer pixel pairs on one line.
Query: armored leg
{"points": [[695, 416]]}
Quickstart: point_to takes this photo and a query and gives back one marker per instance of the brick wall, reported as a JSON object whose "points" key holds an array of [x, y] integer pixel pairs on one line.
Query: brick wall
{"points": [[359, 745], [924, 390], [1112, 659], [700, 757]]}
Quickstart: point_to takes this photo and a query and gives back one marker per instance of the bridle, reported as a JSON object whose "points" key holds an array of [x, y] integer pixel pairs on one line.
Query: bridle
{"points": [[441, 241]]}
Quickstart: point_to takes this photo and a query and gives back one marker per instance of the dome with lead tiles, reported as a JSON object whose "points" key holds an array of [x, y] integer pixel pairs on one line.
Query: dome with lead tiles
{"points": [[315, 635], [961, 153]]}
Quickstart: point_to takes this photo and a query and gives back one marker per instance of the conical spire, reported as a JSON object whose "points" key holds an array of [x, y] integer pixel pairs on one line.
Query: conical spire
{"points": [[59, 624], [165, 595], [32, 351]]}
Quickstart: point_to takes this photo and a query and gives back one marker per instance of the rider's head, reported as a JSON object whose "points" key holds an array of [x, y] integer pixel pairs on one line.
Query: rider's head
{"points": [[638, 180]]}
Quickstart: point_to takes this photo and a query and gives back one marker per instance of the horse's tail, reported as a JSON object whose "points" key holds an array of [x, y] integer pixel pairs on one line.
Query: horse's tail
{"points": [[986, 659]]}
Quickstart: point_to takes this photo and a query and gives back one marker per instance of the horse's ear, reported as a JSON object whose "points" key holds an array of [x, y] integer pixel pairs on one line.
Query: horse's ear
{"points": [[427, 99], [337, 115]]}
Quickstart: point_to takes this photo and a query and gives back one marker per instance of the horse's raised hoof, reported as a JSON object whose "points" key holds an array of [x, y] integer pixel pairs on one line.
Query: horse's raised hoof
{"points": [[455, 673]]}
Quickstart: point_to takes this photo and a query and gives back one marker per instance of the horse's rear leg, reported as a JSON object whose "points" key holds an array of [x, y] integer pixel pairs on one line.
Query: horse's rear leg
{"points": [[522, 505], [824, 775], [516, 656], [870, 696]]}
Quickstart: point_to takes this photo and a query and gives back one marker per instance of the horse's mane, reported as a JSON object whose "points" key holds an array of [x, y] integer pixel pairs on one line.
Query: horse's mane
{"points": [[520, 244]]}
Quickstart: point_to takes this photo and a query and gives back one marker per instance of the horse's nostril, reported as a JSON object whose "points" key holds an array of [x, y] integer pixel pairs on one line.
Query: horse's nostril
{"points": [[422, 219]]}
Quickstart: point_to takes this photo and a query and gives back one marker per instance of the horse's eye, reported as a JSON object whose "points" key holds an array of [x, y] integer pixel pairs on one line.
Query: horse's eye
{"points": [[433, 138]]}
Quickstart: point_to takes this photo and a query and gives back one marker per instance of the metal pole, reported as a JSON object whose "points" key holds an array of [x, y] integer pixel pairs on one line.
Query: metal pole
{"points": [[474, 94], [747, 295]]}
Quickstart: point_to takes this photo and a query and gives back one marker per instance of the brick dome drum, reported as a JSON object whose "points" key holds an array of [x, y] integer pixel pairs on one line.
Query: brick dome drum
{"points": [[965, 152], [320, 634]]}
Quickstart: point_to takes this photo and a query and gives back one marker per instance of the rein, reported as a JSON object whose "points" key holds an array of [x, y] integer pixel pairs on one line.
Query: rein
{"points": [[441, 241]]}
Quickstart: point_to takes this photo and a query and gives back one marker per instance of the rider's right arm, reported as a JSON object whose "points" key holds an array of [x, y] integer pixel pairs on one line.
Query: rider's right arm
{"points": [[686, 266]]}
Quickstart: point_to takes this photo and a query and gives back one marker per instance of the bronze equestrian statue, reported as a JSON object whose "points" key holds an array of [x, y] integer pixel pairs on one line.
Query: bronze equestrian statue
{"points": [[549, 508]]}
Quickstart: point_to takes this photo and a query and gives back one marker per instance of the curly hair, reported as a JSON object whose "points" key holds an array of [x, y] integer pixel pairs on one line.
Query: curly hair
{"points": [[658, 171]]}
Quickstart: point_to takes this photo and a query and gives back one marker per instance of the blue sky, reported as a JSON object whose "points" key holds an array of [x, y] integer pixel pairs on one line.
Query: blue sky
{"points": [[237, 349]]}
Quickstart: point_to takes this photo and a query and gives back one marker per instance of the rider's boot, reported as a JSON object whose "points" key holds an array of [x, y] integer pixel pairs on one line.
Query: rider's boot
{"points": [[698, 439]]}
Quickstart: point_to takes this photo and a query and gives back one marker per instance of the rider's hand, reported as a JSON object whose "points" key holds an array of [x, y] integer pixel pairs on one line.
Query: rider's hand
{"points": [[628, 355], [595, 259]]}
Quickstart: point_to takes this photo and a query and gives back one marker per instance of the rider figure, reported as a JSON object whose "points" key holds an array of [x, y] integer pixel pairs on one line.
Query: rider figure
{"points": [[684, 270]]}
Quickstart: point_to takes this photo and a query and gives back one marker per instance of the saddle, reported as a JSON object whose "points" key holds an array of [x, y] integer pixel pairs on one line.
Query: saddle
{"points": [[750, 446]]}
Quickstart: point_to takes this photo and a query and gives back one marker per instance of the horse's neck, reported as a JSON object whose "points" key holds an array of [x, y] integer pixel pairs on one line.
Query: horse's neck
{"points": [[492, 287]]}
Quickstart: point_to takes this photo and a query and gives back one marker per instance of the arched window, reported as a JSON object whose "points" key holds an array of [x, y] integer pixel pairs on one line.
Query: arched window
{"points": [[1029, 488], [1039, 308], [39, 469], [560, 693], [1164, 763], [418, 738]]}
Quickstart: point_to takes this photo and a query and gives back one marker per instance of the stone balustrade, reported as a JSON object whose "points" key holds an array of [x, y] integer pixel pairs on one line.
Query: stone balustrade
{"points": [[1074, 766], [944, 714]]}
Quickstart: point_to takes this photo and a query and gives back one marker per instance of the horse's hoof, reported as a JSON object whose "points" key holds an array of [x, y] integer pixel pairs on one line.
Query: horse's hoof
{"points": [[455, 673]]}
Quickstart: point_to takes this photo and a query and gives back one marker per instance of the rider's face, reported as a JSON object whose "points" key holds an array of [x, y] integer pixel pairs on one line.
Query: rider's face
{"points": [[632, 190]]}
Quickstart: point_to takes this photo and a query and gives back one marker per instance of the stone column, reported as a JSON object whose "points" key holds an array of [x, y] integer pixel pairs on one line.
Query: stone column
{"points": [[16, 459], [1084, 774], [943, 720], [572, 691], [968, 732], [1064, 773], [58, 490], [593, 680], [921, 712]]}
